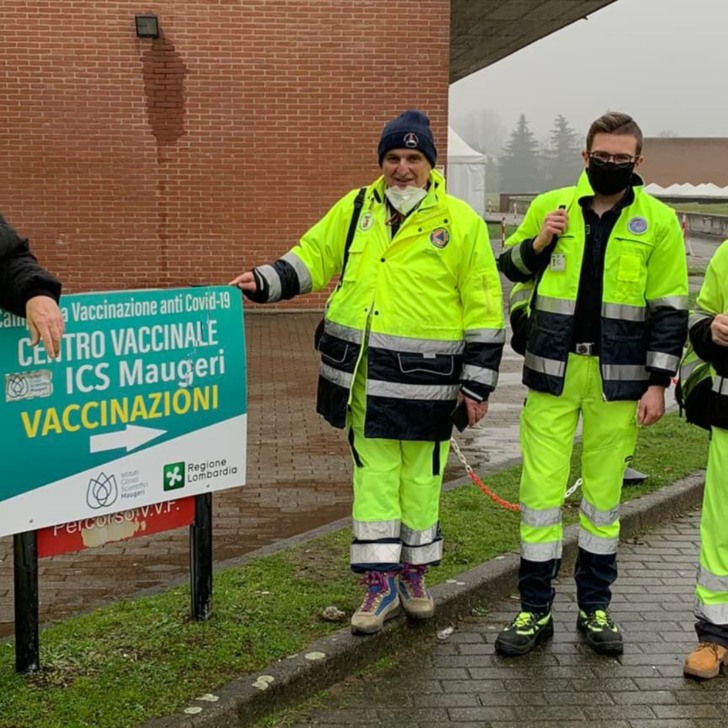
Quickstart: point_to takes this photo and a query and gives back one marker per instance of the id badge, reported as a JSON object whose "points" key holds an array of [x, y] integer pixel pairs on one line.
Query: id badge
{"points": [[558, 263]]}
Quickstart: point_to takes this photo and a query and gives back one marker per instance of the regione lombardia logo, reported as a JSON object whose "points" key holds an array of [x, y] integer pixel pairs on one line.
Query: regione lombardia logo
{"points": [[174, 476]]}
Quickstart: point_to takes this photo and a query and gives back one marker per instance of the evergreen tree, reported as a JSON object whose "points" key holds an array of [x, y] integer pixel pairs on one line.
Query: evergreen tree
{"points": [[562, 158], [519, 162]]}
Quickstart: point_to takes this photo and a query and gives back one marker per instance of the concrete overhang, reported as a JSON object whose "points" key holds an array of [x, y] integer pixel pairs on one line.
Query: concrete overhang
{"points": [[484, 31]]}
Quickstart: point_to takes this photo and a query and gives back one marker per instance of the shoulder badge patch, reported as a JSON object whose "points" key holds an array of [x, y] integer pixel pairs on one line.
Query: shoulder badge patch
{"points": [[638, 225], [366, 222], [440, 238]]}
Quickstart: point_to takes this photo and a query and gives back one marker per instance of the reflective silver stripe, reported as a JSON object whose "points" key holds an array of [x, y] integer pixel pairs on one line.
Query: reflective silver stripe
{"points": [[713, 613], [375, 553], [660, 360], [275, 288], [411, 537], [688, 369], [485, 336], [522, 294], [517, 259], [469, 393], [678, 302], [540, 518], [719, 385], [479, 374], [420, 555], [415, 346], [376, 530], [624, 373], [555, 305], [305, 284], [545, 366], [596, 545], [623, 312], [347, 333], [541, 551], [439, 392], [335, 376], [711, 581], [697, 316], [597, 517]]}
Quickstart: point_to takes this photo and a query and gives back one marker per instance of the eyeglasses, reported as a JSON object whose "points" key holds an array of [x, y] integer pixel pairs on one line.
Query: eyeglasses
{"points": [[621, 160]]}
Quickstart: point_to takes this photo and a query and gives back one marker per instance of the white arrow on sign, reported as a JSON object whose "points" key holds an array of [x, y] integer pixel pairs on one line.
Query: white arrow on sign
{"points": [[131, 438]]}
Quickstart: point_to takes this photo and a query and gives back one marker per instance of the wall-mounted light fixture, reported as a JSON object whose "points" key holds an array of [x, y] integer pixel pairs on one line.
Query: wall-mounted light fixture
{"points": [[147, 26]]}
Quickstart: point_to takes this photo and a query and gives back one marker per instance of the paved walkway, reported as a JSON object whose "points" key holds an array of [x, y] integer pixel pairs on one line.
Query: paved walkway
{"points": [[460, 682], [298, 474]]}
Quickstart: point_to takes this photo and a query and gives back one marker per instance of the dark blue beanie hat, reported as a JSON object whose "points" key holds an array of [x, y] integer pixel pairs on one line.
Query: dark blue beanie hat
{"points": [[410, 130]]}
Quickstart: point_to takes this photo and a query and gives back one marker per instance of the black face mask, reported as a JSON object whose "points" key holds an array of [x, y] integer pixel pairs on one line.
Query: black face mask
{"points": [[608, 178]]}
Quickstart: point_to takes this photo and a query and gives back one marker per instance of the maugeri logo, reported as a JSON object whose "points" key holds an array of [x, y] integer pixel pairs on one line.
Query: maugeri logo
{"points": [[174, 476], [411, 140], [16, 386], [102, 491]]}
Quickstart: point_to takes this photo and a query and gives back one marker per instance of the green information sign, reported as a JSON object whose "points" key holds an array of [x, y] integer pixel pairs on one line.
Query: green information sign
{"points": [[146, 403]]}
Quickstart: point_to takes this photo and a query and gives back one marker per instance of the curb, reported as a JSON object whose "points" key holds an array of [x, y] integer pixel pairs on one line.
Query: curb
{"points": [[335, 657]]}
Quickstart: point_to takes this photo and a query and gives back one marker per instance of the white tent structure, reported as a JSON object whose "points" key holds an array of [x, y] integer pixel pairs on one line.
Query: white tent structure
{"points": [[465, 172], [688, 190]]}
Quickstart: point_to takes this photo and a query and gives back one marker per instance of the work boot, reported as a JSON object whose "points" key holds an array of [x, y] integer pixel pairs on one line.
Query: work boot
{"points": [[602, 635], [705, 661], [416, 599], [380, 603], [526, 631]]}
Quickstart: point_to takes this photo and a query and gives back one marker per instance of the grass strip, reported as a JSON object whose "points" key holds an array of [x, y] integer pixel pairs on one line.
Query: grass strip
{"points": [[141, 659], [494, 230], [706, 208]]}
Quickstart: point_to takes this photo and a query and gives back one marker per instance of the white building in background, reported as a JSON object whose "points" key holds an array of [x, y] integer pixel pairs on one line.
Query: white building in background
{"points": [[466, 177]]}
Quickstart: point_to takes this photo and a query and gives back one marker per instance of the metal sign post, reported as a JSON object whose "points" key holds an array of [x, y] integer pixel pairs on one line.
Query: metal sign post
{"points": [[144, 409], [27, 641], [201, 559]]}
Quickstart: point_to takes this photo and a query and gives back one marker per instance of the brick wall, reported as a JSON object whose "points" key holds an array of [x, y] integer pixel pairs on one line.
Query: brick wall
{"points": [[134, 163], [683, 160]]}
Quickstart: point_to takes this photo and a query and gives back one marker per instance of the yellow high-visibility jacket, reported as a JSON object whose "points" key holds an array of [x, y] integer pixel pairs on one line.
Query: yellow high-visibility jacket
{"points": [[712, 301], [644, 292], [425, 305]]}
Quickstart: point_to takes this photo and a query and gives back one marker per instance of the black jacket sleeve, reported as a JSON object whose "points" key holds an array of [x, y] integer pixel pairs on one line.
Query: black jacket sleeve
{"points": [[21, 278], [702, 341], [521, 263]]}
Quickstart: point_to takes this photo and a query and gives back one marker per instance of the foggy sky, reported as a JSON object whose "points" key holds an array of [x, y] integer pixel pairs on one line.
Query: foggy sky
{"points": [[662, 61]]}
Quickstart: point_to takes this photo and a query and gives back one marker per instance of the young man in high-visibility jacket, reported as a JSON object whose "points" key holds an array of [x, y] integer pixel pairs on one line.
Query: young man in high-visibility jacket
{"points": [[603, 281], [709, 337], [415, 324]]}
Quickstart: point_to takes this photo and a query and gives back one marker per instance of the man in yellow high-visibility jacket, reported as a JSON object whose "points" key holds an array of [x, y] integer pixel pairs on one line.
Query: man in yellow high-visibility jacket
{"points": [[709, 337], [603, 285], [415, 324]]}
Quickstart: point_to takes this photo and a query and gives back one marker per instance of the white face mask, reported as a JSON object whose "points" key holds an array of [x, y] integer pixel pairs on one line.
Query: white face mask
{"points": [[405, 200]]}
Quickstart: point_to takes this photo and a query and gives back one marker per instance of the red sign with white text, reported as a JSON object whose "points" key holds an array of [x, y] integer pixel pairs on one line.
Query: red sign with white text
{"points": [[90, 532]]}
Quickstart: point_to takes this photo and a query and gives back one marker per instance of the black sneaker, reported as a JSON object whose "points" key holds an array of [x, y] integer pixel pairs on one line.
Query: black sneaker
{"points": [[523, 634], [602, 635]]}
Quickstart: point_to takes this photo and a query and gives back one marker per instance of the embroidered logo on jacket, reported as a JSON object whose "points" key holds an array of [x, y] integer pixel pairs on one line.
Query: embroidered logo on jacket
{"points": [[440, 238], [638, 225], [366, 222]]}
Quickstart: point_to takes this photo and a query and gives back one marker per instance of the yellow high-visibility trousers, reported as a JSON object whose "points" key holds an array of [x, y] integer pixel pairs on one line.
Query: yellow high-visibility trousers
{"points": [[711, 591], [397, 487], [548, 426]]}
